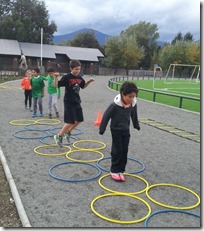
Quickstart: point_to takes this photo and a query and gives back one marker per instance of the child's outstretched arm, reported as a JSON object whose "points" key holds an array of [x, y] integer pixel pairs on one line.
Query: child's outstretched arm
{"points": [[106, 117], [88, 82], [23, 83], [56, 81], [45, 78]]}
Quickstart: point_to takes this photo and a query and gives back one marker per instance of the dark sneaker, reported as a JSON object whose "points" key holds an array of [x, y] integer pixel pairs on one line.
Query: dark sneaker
{"points": [[67, 135], [58, 140], [41, 114], [30, 110], [34, 114], [50, 116], [57, 114]]}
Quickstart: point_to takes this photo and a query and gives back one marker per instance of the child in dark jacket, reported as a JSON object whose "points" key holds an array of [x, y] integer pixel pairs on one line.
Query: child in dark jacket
{"points": [[120, 111]]}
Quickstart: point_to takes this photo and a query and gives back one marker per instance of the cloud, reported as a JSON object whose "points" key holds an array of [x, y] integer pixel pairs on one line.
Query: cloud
{"points": [[111, 16]]}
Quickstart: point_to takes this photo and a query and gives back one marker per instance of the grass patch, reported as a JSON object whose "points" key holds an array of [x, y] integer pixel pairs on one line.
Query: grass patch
{"points": [[184, 88]]}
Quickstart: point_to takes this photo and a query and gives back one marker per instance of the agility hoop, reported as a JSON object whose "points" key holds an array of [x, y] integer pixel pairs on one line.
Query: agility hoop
{"points": [[32, 137], [21, 122], [48, 121], [170, 206], [134, 172], [120, 221], [31, 128], [84, 150], [42, 140], [71, 180], [168, 211], [103, 145], [78, 131], [125, 193], [48, 154]]}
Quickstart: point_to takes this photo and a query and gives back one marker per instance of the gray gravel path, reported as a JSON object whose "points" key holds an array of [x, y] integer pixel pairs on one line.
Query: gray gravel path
{"points": [[167, 158]]}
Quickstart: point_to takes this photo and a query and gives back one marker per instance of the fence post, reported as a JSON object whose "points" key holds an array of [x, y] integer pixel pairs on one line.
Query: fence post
{"points": [[180, 102], [116, 86], [154, 96]]}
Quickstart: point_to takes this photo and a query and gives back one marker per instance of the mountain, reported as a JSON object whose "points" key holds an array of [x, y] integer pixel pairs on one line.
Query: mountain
{"points": [[101, 37], [160, 43]]}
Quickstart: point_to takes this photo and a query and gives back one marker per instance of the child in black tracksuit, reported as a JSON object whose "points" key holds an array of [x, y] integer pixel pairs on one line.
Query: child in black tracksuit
{"points": [[120, 111]]}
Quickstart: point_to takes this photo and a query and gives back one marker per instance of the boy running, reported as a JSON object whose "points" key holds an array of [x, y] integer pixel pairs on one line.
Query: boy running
{"points": [[73, 114]]}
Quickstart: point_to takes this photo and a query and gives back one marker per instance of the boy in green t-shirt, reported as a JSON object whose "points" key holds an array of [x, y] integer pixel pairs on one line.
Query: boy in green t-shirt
{"points": [[38, 87], [54, 93]]}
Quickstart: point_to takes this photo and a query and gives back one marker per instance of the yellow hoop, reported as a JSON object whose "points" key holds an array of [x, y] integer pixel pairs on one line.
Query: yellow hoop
{"points": [[169, 206], [120, 221], [93, 141], [84, 150], [48, 121], [54, 154], [124, 193], [10, 88], [14, 122]]}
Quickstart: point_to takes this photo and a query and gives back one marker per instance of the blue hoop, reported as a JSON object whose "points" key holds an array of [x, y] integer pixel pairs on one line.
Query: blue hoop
{"points": [[167, 211], [44, 137], [129, 158], [73, 134], [29, 127], [69, 180], [20, 137]]}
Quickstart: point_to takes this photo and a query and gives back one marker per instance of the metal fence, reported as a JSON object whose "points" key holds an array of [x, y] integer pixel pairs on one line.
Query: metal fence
{"points": [[113, 83]]}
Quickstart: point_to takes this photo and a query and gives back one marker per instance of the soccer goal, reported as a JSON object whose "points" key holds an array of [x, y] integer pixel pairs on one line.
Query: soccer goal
{"points": [[180, 79], [180, 73]]}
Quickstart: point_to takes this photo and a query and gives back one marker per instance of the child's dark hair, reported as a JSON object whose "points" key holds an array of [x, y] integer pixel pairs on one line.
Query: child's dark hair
{"points": [[74, 63], [37, 70], [50, 70], [128, 88]]}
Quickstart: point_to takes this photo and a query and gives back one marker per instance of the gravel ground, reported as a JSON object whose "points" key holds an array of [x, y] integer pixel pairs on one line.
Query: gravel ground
{"points": [[52, 203]]}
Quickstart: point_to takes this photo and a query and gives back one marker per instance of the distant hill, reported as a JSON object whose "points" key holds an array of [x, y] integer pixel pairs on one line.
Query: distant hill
{"points": [[101, 37], [160, 43]]}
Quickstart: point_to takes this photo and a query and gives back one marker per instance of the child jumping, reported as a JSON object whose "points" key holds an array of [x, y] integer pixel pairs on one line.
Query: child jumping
{"points": [[25, 83], [73, 114], [54, 93], [120, 111], [38, 88]]}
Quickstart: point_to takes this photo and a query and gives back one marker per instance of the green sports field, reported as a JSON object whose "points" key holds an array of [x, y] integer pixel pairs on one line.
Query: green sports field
{"points": [[175, 87]]}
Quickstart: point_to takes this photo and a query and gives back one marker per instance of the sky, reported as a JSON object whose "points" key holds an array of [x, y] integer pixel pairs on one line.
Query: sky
{"points": [[113, 16]]}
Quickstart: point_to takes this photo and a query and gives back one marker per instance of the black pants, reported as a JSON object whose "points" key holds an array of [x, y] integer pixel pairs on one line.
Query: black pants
{"points": [[28, 97], [119, 150]]}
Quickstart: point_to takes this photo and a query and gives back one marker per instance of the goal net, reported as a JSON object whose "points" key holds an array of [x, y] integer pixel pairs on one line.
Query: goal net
{"points": [[180, 73]]}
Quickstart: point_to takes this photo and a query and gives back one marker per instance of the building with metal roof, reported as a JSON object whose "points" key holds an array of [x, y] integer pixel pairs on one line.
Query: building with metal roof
{"points": [[52, 56]]}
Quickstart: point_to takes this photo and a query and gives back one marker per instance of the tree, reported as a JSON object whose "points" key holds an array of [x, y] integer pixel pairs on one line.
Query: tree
{"points": [[84, 39], [123, 52], [25, 20], [113, 53], [5, 7], [132, 53], [182, 52], [179, 37], [145, 35], [188, 37]]}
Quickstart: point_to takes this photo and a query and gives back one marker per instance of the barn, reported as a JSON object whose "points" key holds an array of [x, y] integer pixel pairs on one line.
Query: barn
{"points": [[54, 56]]}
